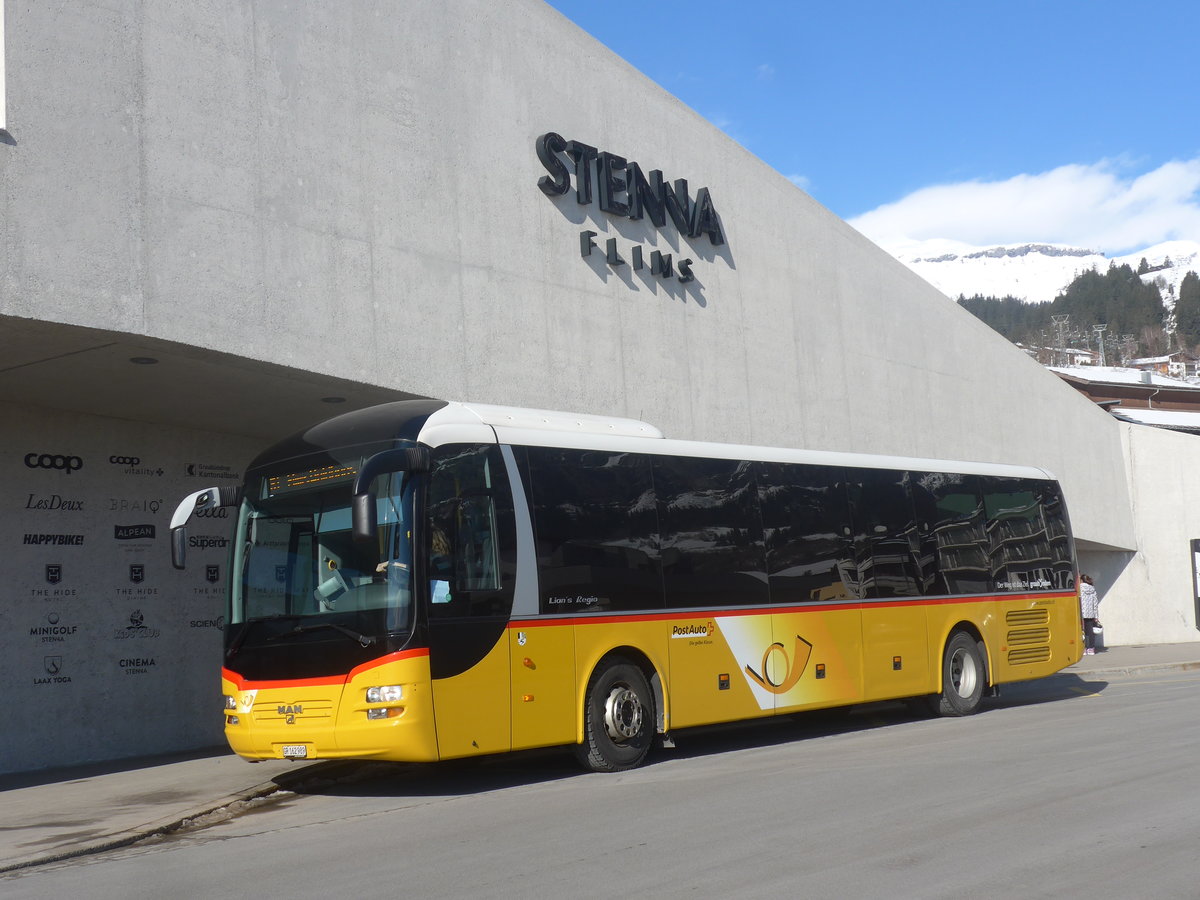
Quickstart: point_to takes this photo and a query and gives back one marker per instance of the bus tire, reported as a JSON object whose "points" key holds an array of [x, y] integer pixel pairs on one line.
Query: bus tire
{"points": [[964, 677], [618, 718]]}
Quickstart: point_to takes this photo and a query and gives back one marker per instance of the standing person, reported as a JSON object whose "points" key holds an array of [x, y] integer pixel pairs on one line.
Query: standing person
{"points": [[1089, 603]]}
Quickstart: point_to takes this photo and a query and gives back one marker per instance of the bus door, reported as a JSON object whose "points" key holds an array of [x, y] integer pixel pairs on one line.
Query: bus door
{"points": [[816, 655], [471, 573], [887, 550]]}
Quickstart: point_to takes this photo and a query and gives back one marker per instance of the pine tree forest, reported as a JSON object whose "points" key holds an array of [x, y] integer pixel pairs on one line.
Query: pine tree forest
{"points": [[1135, 321]]}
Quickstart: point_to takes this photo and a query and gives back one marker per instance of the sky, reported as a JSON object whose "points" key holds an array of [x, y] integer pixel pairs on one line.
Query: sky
{"points": [[1058, 121]]}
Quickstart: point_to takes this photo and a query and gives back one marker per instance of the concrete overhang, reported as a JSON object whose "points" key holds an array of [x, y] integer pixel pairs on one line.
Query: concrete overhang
{"points": [[86, 370]]}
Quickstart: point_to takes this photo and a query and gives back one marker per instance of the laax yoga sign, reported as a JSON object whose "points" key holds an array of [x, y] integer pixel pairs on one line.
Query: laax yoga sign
{"points": [[621, 188]]}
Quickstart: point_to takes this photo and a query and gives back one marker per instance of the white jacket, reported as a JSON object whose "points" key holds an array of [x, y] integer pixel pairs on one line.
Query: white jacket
{"points": [[1089, 601]]}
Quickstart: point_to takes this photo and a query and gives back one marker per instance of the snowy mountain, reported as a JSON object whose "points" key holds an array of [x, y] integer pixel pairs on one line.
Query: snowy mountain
{"points": [[1036, 272]]}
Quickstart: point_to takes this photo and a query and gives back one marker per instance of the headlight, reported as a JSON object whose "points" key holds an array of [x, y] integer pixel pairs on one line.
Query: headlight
{"points": [[388, 693], [230, 702]]}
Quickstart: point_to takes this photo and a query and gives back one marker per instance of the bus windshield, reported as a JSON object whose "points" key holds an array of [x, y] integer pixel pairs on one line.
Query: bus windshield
{"points": [[295, 556]]}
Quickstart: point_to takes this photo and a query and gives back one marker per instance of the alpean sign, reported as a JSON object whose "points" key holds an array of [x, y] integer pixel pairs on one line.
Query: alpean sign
{"points": [[621, 188]]}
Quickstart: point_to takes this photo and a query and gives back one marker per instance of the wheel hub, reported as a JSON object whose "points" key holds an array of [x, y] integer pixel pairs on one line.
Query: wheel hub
{"points": [[963, 673], [622, 713]]}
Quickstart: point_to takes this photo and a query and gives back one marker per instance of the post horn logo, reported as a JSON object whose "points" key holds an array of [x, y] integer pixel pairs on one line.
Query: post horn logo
{"points": [[792, 668]]}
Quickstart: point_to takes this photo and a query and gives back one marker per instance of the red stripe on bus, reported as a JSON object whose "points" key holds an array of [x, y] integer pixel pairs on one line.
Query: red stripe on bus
{"points": [[543, 621], [243, 684]]}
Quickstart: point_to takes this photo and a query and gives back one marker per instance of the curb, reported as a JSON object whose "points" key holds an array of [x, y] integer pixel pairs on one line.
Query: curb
{"points": [[1134, 669]]}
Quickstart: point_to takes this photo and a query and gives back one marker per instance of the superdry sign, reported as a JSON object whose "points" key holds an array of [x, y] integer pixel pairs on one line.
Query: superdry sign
{"points": [[621, 188]]}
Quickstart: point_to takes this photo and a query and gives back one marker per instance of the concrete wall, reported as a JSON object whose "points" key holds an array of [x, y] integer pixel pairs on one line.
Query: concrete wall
{"points": [[352, 189], [107, 650], [1149, 596]]}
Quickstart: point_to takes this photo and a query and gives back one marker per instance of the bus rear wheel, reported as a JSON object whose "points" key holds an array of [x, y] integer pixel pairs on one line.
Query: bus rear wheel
{"points": [[964, 677], [618, 718]]}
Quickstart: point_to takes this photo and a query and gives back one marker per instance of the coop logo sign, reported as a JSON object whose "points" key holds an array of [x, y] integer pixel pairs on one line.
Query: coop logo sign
{"points": [[56, 461], [133, 465], [621, 188]]}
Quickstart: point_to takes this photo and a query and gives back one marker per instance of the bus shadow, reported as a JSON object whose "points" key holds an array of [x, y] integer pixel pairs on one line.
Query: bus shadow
{"points": [[528, 767], [369, 778], [1053, 688], [366, 778]]}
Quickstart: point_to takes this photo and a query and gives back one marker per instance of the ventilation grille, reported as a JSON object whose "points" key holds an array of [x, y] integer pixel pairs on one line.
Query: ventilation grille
{"points": [[1023, 637], [1039, 616], [1026, 655], [1028, 636], [289, 713]]}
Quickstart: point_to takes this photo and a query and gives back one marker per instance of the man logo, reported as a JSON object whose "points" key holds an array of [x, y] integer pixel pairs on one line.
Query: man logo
{"points": [[124, 460], [137, 573], [53, 574], [66, 464], [53, 664], [212, 574]]}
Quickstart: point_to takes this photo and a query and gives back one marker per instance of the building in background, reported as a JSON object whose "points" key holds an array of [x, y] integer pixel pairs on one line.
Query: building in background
{"points": [[225, 222]]}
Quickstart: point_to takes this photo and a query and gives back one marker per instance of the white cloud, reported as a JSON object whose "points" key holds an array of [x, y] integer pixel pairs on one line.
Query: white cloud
{"points": [[1094, 206], [766, 72], [800, 181]]}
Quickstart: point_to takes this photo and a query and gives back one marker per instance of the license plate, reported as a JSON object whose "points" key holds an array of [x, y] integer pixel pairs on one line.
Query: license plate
{"points": [[295, 751]]}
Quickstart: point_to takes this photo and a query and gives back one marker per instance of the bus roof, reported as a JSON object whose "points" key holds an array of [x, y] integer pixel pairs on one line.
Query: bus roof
{"points": [[472, 422]]}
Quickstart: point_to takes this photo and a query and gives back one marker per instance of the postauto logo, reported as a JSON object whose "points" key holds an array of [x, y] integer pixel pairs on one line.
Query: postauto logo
{"points": [[57, 461]]}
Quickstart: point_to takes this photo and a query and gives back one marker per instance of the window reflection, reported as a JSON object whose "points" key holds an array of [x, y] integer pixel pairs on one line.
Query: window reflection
{"points": [[711, 537]]}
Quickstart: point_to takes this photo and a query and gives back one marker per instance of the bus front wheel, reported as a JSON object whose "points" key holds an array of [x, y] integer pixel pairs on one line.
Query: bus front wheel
{"points": [[618, 719], [964, 677]]}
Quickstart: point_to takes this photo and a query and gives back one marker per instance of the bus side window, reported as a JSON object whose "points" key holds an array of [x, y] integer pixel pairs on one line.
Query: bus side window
{"points": [[711, 532], [1020, 542], [471, 560], [476, 565], [885, 533], [806, 529], [953, 524]]}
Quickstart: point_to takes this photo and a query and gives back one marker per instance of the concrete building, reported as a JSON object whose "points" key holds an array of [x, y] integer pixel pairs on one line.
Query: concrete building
{"points": [[225, 221]]}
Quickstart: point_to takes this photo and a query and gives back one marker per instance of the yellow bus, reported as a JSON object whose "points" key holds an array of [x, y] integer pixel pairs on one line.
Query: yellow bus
{"points": [[427, 580]]}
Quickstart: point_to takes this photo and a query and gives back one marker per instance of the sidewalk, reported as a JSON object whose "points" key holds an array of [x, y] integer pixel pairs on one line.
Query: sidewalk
{"points": [[56, 814], [47, 816], [1138, 658]]}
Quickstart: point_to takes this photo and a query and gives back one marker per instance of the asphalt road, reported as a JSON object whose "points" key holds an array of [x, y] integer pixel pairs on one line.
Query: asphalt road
{"points": [[1064, 787]]}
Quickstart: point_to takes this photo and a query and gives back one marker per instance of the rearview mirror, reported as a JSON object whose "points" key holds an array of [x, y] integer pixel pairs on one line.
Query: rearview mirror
{"points": [[208, 498]]}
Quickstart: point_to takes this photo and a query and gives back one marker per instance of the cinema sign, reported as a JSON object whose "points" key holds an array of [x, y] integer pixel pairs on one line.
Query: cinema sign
{"points": [[621, 188]]}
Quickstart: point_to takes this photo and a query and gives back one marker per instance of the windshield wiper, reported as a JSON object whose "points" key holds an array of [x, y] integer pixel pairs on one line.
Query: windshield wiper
{"points": [[363, 639], [250, 623]]}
